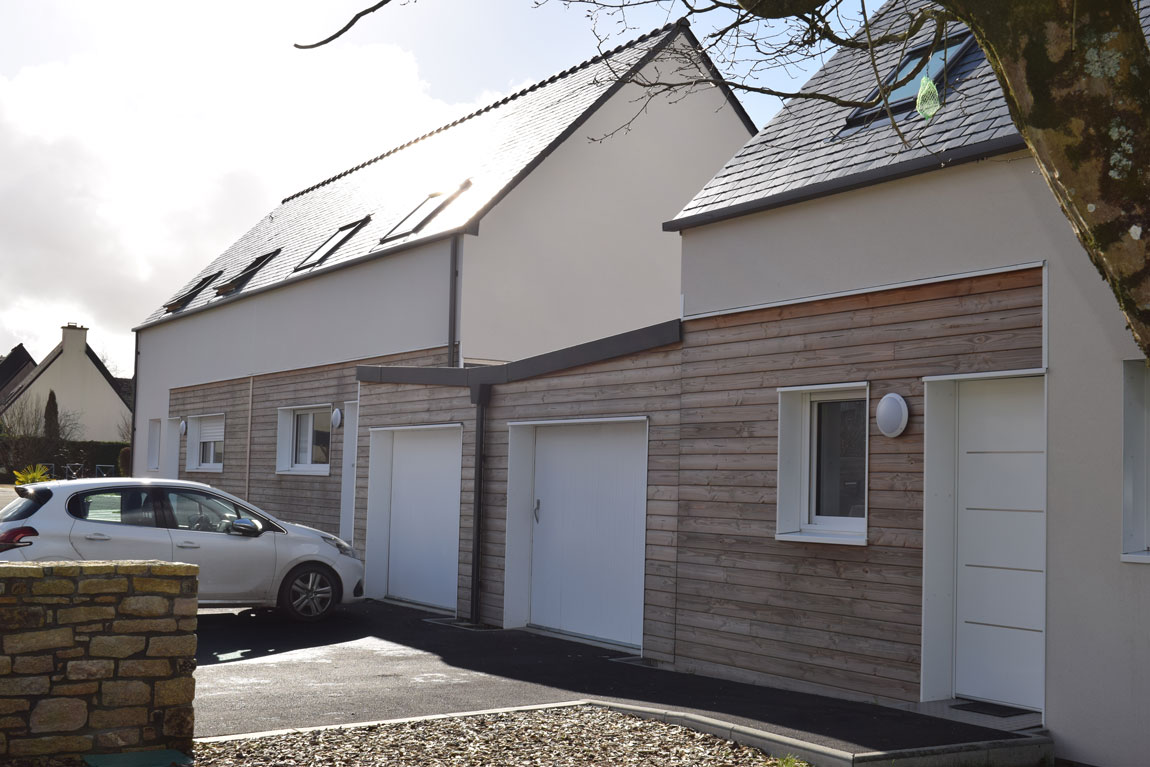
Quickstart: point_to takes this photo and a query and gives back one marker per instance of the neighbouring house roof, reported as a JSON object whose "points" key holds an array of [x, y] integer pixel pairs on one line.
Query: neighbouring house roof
{"points": [[125, 393], [13, 367], [808, 150], [474, 162]]}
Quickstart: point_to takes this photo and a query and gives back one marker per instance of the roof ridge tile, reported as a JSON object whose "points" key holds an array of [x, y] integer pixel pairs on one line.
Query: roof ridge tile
{"points": [[666, 28]]}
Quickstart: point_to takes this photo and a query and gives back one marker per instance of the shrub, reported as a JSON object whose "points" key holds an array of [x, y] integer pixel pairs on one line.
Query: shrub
{"points": [[37, 473]]}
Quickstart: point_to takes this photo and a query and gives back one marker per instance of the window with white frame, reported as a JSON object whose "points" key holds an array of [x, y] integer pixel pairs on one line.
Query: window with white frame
{"points": [[153, 444], [206, 443], [1135, 458], [303, 444], [822, 469]]}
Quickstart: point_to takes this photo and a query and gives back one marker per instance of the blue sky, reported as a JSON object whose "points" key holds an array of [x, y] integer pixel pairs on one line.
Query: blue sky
{"points": [[139, 138]]}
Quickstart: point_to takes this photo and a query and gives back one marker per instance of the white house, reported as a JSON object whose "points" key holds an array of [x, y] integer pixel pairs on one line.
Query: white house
{"points": [[510, 232], [740, 494], [84, 387]]}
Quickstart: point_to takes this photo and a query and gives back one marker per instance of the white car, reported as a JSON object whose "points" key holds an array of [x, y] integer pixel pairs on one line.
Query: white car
{"points": [[246, 556]]}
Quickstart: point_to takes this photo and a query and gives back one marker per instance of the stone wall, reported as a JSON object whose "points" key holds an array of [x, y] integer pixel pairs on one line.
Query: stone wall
{"points": [[96, 657]]}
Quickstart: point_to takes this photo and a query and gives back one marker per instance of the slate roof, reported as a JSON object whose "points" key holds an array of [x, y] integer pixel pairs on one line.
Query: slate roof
{"points": [[804, 152], [13, 368], [493, 147]]}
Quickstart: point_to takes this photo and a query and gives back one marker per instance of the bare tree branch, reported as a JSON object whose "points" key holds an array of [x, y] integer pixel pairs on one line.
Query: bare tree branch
{"points": [[346, 26]]}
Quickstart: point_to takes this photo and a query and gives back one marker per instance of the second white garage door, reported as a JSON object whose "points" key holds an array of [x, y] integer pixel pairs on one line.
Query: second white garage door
{"points": [[587, 548]]}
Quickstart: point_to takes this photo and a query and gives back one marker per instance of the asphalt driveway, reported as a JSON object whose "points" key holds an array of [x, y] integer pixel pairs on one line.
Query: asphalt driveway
{"points": [[378, 661]]}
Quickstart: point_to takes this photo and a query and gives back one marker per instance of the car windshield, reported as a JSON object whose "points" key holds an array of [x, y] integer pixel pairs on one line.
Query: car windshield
{"points": [[26, 505]]}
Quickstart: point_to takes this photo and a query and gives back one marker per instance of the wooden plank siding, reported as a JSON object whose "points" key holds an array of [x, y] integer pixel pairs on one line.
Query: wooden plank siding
{"points": [[722, 596], [819, 617], [249, 467]]}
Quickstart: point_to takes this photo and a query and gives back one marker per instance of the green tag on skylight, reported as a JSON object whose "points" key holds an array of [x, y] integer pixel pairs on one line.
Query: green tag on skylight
{"points": [[927, 102]]}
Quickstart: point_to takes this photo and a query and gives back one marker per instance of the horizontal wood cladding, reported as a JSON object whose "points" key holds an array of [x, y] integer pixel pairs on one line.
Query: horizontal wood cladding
{"points": [[823, 617], [249, 467]]}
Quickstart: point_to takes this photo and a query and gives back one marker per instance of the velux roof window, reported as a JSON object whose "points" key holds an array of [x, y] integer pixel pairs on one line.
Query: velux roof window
{"points": [[424, 212], [241, 279], [185, 299], [333, 243], [939, 62]]}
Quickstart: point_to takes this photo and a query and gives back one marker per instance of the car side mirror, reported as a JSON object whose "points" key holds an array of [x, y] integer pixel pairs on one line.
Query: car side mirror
{"points": [[246, 527]]}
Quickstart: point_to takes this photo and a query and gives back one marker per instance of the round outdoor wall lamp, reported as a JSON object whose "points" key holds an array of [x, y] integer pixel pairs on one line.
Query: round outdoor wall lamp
{"points": [[336, 418], [183, 428], [892, 415]]}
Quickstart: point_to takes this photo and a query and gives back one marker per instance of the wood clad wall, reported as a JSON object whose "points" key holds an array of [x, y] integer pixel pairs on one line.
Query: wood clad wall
{"points": [[250, 469], [646, 384], [826, 618], [383, 405]]}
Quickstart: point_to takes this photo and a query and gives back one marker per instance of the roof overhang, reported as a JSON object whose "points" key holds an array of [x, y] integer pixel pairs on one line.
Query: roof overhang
{"points": [[911, 167]]}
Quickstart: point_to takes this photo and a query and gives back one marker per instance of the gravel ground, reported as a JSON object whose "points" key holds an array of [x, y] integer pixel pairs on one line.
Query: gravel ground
{"points": [[557, 737]]}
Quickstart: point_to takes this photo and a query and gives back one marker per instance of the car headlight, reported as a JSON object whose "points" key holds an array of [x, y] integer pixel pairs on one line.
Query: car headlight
{"points": [[343, 547]]}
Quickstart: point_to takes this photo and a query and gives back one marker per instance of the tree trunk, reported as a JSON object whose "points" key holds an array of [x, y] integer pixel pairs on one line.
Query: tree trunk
{"points": [[1076, 74]]}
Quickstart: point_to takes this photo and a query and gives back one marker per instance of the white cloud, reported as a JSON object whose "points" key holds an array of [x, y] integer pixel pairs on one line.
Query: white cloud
{"points": [[137, 155]]}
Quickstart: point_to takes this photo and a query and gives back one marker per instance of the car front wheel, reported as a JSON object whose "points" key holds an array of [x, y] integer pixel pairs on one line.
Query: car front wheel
{"points": [[309, 593]]}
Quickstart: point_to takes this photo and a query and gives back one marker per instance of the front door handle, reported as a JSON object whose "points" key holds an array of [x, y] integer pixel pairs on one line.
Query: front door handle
{"points": [[537, 510], [187, 545], [97, 537]]}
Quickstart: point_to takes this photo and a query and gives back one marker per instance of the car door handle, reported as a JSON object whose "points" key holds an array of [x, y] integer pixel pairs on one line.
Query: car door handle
{"points": [[187, 545], [97, 537]]}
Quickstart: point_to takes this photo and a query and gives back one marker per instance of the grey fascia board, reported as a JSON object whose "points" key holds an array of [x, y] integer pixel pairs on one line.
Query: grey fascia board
{"points": [[427, 376], [307, 276], [599, 350], [904, 169]]}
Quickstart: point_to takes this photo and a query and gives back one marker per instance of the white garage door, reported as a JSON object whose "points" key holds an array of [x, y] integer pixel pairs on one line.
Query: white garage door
{"points": [[1001, 542], [412, 547], [588, 536]]}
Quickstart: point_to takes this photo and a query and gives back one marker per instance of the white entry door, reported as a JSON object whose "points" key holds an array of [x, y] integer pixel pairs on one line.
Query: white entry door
{"points": [[1001, 542], [587, 555], [412, 547]]}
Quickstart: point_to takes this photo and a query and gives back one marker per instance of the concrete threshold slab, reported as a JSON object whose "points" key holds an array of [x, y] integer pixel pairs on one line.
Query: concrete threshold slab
{"points": [[1030, 751]]}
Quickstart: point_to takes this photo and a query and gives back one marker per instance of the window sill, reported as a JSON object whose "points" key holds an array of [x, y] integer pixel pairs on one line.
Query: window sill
{"points": [[829, 536], [209, 469], [1137, 557], [323, 470]]}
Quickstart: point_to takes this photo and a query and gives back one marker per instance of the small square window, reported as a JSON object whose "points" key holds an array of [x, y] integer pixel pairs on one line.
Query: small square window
{"points": [[303, 443], [822, 476], [205, 443], [423, 213]]}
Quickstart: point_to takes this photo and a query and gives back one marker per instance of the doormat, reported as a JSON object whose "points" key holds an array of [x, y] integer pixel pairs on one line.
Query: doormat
{"points": [[990, 709], [636, 660], [461, 624]]}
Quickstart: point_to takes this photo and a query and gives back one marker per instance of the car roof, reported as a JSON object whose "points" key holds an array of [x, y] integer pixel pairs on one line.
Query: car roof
{"points": [[71, 485]]}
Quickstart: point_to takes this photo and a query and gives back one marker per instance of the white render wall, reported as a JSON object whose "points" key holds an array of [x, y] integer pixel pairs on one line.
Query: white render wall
{"points": [[896, 232], [979, 216], [82, 389], [576, 251], [393, 304], [1098, 622]]}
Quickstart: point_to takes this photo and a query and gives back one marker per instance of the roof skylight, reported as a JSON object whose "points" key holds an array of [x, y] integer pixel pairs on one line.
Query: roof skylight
{"points": [[241, 279], [901, 99], [423, 213], [333, 243], [181, 302]]}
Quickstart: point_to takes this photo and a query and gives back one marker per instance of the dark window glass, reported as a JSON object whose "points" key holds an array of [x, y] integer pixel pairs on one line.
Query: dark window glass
{"points": [[840, 457], [22, 508], [205, 513], [125, 506]]}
